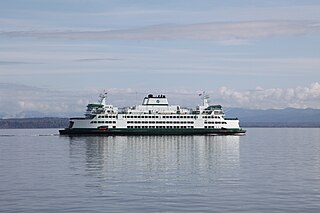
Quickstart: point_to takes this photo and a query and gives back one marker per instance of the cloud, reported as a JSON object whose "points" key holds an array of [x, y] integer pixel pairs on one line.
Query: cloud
{"points": [[299, 97], [14, 63], [96, 59], [219, 31]]}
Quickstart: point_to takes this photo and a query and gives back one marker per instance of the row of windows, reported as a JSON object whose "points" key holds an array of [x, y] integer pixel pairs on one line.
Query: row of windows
{"points": [[103, 122], [156, 116], [217, 122], [107, 116], [160, 122], [217, 117], [209, 127], [218, 112], [160, 127]]}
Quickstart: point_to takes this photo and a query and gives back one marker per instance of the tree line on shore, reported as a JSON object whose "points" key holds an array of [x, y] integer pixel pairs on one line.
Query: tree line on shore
{"points": [[30, 123]]}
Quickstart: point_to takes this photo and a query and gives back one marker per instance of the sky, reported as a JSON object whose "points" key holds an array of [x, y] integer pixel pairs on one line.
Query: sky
{"points": [[58, 55]]}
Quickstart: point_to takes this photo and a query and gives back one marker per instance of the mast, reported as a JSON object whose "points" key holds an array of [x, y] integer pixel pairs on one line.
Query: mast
{"points": [[103, 98], [205, 99]]}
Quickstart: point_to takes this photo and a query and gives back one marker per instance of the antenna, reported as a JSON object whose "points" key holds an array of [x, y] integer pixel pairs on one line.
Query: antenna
{"points": [[205, 99], [103, 97]]}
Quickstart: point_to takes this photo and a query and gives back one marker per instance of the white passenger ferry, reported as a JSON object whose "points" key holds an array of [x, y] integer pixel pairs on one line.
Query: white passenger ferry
{"points": [[154, 117]]}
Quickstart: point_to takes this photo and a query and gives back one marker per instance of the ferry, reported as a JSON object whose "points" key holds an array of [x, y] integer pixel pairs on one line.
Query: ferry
{"points": [[153, 117]]}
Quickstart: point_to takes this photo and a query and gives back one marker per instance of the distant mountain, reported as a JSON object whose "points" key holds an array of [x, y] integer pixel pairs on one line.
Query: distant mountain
{"points": [[37, 114], [29, 123], [276, 117]]}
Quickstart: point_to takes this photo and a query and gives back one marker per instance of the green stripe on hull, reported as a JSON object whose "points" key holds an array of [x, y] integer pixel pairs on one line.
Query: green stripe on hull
{"points": [[150, 131]]}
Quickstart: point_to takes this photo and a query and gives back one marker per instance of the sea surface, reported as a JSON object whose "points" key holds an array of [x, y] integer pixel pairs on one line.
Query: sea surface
{"points": [[267, 170]]}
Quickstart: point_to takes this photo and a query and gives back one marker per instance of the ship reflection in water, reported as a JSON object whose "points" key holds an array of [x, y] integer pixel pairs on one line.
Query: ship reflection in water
{"points": [[156, 160]]}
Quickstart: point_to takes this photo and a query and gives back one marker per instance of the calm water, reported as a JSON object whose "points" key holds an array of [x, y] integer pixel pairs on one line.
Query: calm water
{"points": [[267, 170]]}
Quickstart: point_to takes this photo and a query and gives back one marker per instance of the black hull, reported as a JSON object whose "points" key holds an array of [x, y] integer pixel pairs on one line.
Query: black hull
{"points": [[116, 131]]}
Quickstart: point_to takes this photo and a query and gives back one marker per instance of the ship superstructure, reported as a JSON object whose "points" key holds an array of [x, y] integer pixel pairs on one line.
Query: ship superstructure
{"points": [[153, 117]]}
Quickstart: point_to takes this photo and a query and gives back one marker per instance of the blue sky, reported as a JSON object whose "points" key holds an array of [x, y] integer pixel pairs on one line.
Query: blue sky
{"points": [[244, 53]]}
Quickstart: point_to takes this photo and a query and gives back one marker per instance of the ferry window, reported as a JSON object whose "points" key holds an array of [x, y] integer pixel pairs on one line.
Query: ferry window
{"points": [[114, 122], [135, 116]]}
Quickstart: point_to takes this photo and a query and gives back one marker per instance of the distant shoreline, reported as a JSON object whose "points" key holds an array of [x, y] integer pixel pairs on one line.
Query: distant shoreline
{"points": [[53, 122]]}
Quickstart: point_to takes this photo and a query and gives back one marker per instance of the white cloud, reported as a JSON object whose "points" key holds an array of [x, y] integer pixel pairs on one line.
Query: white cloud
{"points": [[299, 97], [220, 31]]}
